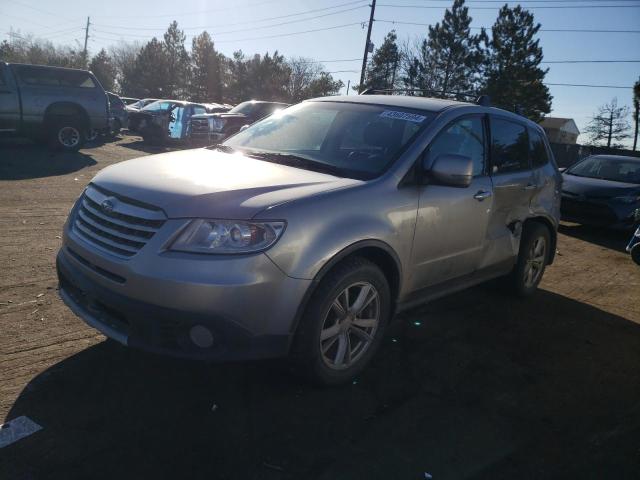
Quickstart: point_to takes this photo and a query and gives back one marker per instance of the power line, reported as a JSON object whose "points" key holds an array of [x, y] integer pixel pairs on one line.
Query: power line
{"points": [[315, 10], [198, 12], [570, 7], [564, 30], [250, 29], [586, 85]]}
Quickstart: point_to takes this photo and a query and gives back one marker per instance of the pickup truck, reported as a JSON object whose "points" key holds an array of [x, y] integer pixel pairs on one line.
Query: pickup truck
{"points": [[59, 105]]}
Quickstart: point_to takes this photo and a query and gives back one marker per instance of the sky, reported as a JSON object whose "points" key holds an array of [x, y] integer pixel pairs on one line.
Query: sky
{"points": [[336, 30]]}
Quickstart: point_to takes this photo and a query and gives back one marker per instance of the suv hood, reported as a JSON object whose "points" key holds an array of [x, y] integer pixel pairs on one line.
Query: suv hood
{"points": [[212, 184]]}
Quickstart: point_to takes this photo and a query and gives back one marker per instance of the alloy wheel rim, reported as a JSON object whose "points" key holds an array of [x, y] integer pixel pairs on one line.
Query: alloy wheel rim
{"points": [[350, 325], [69, 136], [535, 262], [92, 135]]}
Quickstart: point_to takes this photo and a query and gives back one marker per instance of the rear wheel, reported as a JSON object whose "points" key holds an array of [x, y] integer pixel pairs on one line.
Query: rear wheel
{"points": [[66, 134], [343, 324], [532, 260]]}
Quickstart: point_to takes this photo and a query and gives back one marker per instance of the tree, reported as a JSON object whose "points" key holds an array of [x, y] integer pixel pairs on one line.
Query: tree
{"points": [[150, 72], [206, 68], [264, 77], [104, 69], [383, 66], [307, 79], [513, 77], [610, 124], [178, 70], [636, 112], [450, 58], [124, 56]]}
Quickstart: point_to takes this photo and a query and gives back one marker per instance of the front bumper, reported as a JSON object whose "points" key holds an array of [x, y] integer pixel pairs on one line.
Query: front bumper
{"points": [[153, 300], [600, 213]]}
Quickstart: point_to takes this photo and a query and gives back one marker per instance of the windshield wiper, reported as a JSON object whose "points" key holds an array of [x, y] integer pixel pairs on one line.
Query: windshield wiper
{"points": [[222, 148], [295, 161]]}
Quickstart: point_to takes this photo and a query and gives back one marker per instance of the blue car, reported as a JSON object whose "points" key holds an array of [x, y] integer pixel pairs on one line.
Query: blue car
{"points": [[602, 190]]}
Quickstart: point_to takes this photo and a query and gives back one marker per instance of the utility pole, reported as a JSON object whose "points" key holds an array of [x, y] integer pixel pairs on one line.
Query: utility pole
{"points": [[366, 46], [348, 85], [86, 39]]}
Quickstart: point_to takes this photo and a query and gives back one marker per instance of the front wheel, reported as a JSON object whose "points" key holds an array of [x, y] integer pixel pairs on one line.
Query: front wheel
{"points": [[344, 323], [532, 260]]}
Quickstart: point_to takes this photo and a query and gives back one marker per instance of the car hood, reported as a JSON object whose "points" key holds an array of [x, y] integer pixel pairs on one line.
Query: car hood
{"points": [[212, 184], [596, 187]]}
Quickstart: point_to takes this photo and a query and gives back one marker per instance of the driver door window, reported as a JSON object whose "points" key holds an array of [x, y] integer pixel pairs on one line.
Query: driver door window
{"points": [[463, 137]]}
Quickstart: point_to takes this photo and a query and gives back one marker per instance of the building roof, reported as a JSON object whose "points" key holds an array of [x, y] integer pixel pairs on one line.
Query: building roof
{"points": [[557, 123]]}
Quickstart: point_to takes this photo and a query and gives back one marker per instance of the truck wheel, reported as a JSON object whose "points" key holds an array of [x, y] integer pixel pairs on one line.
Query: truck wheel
{"points": [[67, 135], [343, 323], [532, 259], [92, 135], [115, 128]]}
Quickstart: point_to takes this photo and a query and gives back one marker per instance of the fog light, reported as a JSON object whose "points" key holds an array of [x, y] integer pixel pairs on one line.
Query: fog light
{"points": [[201, 336]]}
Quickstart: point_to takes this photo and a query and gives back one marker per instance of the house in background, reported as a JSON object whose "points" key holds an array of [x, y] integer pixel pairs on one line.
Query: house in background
{"points": [[560, 130]]}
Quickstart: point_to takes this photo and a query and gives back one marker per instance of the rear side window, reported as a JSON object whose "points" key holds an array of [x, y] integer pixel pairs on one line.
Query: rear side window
{"points": [[55, 78], [509, 146], [539, 154], [463, 137], [198, 110]]}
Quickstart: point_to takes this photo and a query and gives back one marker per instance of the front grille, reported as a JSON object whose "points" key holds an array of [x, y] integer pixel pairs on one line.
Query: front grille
{"points": [[593, 212], [200, 126], [115, 224]]}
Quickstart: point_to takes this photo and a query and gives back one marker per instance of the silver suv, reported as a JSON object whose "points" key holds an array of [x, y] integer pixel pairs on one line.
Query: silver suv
{"points": [[304, 234]]}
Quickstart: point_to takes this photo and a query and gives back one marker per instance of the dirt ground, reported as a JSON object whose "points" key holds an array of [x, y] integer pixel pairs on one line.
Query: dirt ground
{"points": [[477, 385]]}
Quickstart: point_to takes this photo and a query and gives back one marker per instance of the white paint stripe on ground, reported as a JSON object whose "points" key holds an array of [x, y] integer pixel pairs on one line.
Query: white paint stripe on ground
{"points": [[17, 429]]}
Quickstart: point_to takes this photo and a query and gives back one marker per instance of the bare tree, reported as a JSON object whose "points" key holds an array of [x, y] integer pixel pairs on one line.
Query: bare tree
{"points": [[609, 124], [124, 56], [303, 72]]}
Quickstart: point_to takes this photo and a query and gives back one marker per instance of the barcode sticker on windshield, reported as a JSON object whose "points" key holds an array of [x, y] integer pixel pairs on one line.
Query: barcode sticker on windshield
{"points": [[409, 117]]}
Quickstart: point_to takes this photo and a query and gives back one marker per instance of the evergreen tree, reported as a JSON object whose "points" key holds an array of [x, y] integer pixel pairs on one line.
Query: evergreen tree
{"points": [[609, 124], [177, 61], [513, 77], [151, 79], [104, 69], [383, 66], [206, 81], [450, 58]]}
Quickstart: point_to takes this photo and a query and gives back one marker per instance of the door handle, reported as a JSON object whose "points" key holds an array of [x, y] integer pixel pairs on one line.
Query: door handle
{"points": [[481, 195]]}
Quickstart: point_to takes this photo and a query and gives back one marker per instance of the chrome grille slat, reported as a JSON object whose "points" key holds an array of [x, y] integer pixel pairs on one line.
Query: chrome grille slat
{"points": [[86, 219], [122, 229], [94, 210]]}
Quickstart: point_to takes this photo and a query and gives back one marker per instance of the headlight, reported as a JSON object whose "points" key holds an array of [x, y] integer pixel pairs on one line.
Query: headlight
{"points": [[627, 199], [217, 124], [227, 236]]}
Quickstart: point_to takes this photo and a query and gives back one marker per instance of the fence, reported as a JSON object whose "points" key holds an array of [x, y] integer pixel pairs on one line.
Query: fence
{"points": [[567, 155]]}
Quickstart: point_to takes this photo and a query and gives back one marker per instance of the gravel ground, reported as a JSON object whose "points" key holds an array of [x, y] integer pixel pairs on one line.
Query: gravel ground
{"points": [[477, 385]]}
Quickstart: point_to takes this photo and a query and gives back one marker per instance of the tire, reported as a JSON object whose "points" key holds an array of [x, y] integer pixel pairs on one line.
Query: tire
{"points": [[153, 136], [351, 337], [635, 253], [532, 259], [67, 134], [115, 129], [91, 135]]}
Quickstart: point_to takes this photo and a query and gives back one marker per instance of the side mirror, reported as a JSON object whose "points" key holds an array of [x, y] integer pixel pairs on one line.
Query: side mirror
{"points": [[450, 170]]}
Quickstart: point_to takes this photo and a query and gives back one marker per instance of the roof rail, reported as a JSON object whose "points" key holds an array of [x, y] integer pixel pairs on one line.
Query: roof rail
{"points": [[482, 100]]}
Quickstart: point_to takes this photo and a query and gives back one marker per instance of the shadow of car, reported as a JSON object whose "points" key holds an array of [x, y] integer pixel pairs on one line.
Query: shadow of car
{"points": [[474, 385]]}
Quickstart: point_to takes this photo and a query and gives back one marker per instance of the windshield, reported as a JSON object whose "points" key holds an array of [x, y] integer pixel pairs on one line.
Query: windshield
{"points": [[159, 105], [245, 108], [354, 140], [608, 168]]}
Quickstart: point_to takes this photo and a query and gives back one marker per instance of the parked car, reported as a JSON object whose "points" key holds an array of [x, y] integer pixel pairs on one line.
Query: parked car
{"points": [[166, 120], [305, 233], [119, 114], [602, 190], [129, 100], [135, 108], [60, 105], [215, 127]]}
